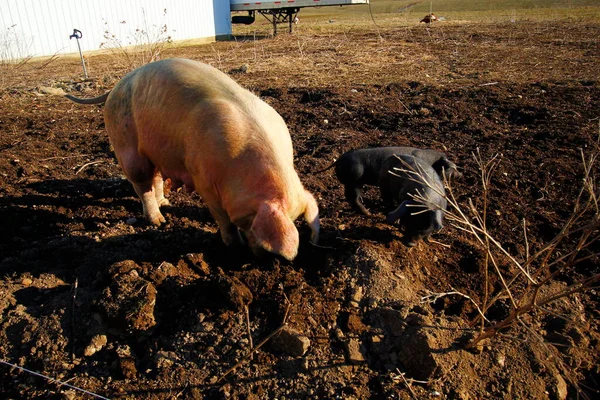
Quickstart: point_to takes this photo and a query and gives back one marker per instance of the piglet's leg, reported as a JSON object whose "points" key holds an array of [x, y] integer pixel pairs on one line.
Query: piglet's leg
{"points": [[398, 213], [354, 195], [388, 198], [159, 190]]}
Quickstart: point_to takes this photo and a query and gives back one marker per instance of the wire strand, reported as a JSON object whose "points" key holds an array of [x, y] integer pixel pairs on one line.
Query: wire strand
{"points": [[54, 380]]}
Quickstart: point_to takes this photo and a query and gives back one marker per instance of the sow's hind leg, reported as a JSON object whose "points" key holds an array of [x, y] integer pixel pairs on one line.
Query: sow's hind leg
{"points": [[147, 183], [159, 190], [141, 172]]}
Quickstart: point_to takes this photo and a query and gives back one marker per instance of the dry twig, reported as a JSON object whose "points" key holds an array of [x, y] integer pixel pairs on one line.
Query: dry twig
{"points": [[84, 166], [252, 351], [247, 312], [432, 297], [581, 228], [407, 384], [64, 158]]}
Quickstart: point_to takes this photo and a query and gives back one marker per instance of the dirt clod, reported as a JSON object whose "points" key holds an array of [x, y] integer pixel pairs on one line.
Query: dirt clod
{"points": [[290, 342], [97, 343], [354, 354], [126, 363], [236, 294], [129, 301]]}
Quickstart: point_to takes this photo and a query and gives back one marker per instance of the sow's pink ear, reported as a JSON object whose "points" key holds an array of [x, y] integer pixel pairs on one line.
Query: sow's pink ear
{"points": [[275, 232]]}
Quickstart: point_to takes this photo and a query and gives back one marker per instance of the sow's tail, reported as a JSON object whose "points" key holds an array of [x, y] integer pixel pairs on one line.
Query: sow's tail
{"points": [[93, 100]]}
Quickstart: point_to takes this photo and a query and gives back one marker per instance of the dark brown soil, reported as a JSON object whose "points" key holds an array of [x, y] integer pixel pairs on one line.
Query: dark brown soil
{"points": [[92, 295]]}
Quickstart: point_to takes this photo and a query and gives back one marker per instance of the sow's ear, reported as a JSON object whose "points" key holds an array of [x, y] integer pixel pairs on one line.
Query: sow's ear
{"points": [[275, 232], [397, 213]]}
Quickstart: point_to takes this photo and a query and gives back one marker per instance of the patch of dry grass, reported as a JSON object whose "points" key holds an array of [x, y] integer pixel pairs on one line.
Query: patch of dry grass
{"points": [[317, 55]]}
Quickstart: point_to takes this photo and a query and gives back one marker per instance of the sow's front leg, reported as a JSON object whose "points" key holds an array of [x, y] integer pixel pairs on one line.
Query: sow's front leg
{"points": [[229, 231]]}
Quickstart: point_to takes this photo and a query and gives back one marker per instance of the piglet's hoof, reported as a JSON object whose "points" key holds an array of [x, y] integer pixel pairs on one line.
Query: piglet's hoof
{"points": [[409, 243], [362, 210]]}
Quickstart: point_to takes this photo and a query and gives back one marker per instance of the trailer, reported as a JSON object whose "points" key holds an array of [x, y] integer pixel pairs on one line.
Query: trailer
{"points": [[281, 11]]}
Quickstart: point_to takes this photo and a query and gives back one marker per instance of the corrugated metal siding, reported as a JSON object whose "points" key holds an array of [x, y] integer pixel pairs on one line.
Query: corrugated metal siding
{"points": [[43, 27]]}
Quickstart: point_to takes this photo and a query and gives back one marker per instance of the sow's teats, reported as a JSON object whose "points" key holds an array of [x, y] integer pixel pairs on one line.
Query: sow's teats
{"points": [[359, 167], [411, 184], [189, 122]]}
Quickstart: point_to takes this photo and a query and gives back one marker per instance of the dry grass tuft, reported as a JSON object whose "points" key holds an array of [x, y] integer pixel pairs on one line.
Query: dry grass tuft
{"points": [[144, 45]]}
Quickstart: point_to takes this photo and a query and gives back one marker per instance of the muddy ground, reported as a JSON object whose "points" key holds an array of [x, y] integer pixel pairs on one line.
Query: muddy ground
{"points": [[93, 296]]}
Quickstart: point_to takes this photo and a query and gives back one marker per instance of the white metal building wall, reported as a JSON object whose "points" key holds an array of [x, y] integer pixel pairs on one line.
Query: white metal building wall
{"points": [[42, 27]]}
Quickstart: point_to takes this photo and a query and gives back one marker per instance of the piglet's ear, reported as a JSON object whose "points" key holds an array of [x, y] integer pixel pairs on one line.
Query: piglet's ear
{"points": [[275, 232], [397, 213]]}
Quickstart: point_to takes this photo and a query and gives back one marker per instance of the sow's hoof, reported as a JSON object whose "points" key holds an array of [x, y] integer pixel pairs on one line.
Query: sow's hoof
{"points": [[156, 219]]}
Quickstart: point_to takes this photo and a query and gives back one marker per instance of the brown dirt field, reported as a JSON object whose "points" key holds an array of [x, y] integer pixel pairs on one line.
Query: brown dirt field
{"points": [[92, 295]]}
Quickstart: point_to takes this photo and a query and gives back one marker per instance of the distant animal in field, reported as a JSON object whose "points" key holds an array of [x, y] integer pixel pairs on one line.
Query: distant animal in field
{"points": [[429, 18], [360, 167], [402, 177], [189, 122]]}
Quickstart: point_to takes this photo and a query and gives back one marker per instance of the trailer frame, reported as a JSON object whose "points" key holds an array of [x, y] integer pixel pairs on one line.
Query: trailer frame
{"points": [[282, 11]]}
